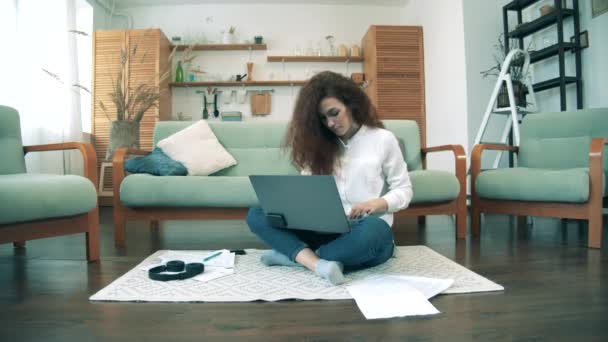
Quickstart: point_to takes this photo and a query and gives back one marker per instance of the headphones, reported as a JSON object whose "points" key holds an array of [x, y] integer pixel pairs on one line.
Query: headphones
{"points": [[186, 271]]}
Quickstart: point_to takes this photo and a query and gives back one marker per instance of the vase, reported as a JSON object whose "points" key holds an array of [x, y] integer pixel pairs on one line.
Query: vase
{"points": [[179, 72], [122, 134], [228, 38]]}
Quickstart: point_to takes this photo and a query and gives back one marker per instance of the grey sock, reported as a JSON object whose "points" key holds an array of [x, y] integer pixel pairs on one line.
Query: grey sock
{"points": [[330, 270], [273, 258]]}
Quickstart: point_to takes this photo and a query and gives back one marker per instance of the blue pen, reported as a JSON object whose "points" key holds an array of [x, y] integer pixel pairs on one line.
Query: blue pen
{"points": [[212, 256]]}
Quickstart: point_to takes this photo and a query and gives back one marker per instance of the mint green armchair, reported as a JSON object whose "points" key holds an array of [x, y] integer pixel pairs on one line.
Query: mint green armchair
{"points": [[561, 171], [43, 205]]}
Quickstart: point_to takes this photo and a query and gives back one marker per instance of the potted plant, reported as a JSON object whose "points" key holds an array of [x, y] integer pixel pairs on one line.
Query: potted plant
{"points": [[229, 36], [130, 103], [516, 70]]}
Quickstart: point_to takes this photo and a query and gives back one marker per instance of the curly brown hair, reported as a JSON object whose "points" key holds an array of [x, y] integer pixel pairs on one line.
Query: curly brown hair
{"points": [[313, 145]]}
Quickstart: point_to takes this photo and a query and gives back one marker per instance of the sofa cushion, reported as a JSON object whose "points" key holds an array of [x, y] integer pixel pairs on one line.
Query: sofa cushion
{"points": [[141, 190], [156, 163], [11, 149], [408, 135], [28, 197], [529, 184], [270, 134], [561, 139], [434, 186], [259, 161], [197, 148], [555, 153]]}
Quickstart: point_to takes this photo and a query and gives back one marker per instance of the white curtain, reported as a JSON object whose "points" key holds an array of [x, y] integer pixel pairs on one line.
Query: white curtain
{"points": [[39, 65]]}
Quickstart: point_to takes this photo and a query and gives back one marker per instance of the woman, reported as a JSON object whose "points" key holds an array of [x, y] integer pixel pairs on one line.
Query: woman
{"points": [[335, 131]]}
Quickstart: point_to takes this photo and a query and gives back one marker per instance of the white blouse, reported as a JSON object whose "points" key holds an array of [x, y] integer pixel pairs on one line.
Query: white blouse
{"points": [[370, 166]]}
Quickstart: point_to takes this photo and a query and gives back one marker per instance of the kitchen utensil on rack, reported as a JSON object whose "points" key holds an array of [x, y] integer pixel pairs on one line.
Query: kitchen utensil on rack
{"points": [[205, 111], [216, 112], [241, 95], [225, 97]]}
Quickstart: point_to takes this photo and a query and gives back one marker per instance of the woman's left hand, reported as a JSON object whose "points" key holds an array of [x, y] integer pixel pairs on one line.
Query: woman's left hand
{"points": [[367, 208]]}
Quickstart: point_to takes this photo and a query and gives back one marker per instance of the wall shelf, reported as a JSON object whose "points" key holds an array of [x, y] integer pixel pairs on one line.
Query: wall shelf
{"points": [[518, 5], [314, 59], [222, 47], [548, 52], [539, 24], [235, 84], [552, 83], [239, 84]]}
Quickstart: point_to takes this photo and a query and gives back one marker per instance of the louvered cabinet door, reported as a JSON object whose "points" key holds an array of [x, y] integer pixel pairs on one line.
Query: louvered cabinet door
{"points": [[106, 64], [394, 64]]}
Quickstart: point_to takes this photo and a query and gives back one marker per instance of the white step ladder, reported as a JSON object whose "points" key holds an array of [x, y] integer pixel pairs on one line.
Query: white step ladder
{"points": [[515, 113]]}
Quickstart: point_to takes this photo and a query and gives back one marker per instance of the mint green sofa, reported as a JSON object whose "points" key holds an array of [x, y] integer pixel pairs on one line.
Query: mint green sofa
{"points": [[37, 206], [561, 171], [255, 145]]}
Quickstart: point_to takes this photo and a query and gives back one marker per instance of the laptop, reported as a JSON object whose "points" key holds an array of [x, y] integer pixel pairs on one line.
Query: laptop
{"points": [[301, 202]]}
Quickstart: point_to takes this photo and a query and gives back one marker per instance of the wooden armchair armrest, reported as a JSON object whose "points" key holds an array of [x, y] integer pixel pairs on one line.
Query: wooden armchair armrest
{"points": [[89, 157], [460, 161], [118, 167], [478, 150], [596, 167], [460, 157]]}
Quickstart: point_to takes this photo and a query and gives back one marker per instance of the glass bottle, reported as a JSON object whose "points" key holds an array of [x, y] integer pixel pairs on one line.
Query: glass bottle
{"points": [[179, 73]]}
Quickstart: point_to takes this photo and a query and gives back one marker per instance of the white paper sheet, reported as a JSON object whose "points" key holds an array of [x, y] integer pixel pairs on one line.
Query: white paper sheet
{"points": [[224, 260], [430, 287], [384, 296]]}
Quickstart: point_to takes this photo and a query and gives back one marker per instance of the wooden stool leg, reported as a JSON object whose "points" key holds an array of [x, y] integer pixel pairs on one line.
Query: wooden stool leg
{"points": [[421, 220], [595, 230], [461, 224], [120, 222], [92, 236], [154, 225], [522, 221], [475, 222], [19, 244]]}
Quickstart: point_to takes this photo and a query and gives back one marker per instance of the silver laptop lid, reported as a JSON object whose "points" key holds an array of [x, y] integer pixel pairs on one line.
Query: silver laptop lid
{"points": [[304, 202]]}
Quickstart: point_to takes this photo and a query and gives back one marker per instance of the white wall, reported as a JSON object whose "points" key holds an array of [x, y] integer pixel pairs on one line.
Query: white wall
{"points": [[445, 76], [284, 27], [595, 68], [481, 33]]}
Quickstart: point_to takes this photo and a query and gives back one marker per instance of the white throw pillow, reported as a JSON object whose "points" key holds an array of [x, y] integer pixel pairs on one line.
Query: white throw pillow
{"points": [[198, 149]]}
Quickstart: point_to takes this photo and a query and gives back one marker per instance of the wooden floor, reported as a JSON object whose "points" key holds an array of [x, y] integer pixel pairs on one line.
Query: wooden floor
{"points": [[556, 289]]}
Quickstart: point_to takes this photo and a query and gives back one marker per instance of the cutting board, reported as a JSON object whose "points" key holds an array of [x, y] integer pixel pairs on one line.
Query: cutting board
{"points": [[261, 103]]}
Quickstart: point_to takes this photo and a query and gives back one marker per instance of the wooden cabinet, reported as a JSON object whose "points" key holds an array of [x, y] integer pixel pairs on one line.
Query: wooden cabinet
{"points": [[145, 66], [393, 62]]}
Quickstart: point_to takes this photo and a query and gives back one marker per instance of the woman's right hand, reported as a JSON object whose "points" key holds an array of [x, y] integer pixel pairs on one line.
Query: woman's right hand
{"points": [[367, 208]]}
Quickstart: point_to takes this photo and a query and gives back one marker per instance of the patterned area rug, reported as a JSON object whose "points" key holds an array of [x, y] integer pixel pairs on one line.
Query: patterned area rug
{"points": [[253, 281]]}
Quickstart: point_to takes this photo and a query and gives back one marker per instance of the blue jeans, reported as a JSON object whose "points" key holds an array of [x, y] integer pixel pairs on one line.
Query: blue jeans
{"points": [[369, 242]]}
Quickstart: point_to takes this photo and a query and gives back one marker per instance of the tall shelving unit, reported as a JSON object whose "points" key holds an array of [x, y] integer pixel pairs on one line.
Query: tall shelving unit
{"points": [[556, 17], [393, 62]]}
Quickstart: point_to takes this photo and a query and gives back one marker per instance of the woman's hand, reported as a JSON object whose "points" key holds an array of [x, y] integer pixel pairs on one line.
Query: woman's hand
{"points": [[367, 208]]}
